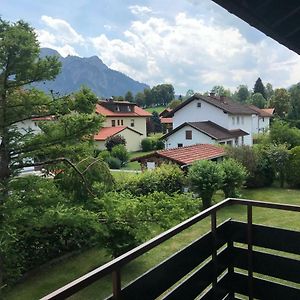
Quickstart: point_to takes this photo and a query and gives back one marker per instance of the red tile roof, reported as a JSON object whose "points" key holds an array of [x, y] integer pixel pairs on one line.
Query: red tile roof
{"points": [[263, 112], [166, 120], [46, 118], [138, 112], [107, 132], [187, 155]]}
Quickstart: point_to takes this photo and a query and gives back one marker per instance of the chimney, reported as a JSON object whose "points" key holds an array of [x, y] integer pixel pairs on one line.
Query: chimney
{"points": [[212, 94]]}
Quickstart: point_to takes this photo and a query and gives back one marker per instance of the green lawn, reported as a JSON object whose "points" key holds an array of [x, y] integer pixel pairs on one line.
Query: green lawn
{"points": [[159, 109], [52, 277]]}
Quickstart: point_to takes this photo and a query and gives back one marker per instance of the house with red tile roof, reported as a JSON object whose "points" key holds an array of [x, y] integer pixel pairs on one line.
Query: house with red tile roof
{"points": [[133, 137], [183, 156], [166, 122], [123, 113]]}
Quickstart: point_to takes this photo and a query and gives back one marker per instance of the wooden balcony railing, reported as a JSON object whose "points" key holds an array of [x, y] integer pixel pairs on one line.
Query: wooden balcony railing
{"points": [[219, 265]]}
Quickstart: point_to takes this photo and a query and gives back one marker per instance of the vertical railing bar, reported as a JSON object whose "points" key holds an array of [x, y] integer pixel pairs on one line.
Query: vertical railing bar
{"points": [[230, 268], [116, 284], [214, 251], [250, 249]]}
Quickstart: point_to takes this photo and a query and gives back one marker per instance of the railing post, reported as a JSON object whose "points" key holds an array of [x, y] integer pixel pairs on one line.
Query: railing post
{"points": [[230, 269], [214, 251], [250, 250], [116, 283]]}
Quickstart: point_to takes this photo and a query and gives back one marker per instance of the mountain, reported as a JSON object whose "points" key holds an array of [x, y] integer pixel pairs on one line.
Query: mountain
{"points": [[92, 72]]}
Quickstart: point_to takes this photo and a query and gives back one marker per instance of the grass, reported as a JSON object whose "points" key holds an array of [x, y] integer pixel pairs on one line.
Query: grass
{"points": [[52, 277], [159, 109]]}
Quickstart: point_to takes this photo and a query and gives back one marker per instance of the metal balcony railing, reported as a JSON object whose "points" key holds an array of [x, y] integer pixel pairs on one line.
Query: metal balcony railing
{"points": [[221, 264]]}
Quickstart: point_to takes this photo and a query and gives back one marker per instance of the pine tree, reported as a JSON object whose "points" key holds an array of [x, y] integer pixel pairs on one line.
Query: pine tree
{"points": [[259, 88]]}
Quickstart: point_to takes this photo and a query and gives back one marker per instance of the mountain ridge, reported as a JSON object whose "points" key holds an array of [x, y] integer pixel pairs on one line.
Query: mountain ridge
{"points": [[91, 72]]}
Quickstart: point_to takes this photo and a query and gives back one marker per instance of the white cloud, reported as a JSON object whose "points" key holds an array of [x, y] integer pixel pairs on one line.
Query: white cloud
{"points": [[63, 30], [194, 54], [140, 10]]}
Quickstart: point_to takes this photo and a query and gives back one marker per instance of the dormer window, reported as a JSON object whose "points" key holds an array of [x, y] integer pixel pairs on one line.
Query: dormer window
{"points": [[199, 104], [118, 108], [128, 108]]}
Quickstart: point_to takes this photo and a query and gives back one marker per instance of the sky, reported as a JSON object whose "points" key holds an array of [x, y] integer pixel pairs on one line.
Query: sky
{"points": [[192, 44]]}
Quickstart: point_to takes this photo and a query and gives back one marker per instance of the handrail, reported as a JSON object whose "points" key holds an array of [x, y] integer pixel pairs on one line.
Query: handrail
{"points": [[115, 265]]}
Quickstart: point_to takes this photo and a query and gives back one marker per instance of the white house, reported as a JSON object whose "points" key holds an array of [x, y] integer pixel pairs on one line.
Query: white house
{"points": [[221, 111]]}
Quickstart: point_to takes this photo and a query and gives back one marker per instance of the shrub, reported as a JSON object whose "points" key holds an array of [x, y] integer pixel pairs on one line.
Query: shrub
{"points": [[167, 178], [160, 144], [293, 174], [114, 141], [147, 144], [235, 175], [205, 177], [105, 154], [114, 163], [121, 153]]}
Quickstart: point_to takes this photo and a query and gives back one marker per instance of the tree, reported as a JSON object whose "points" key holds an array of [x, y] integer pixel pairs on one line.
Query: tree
{"points": [[258, 100], [120, 152], [219, 90], [114, 141], [281, 102], [174, 103], [148, 97], [242, 94], [269, 90], [140, 99], [294, 92], [129, 97], [259, 88], [205, 178], [235, 175], [189, 93], [155, 123], [293, 174]]}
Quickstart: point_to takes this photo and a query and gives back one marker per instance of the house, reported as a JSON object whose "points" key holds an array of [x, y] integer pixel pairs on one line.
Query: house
{"points": [[207, 132], [133, 137], [261, 123], [183, 156], [123, 113], [221, 111], [166, 122]]}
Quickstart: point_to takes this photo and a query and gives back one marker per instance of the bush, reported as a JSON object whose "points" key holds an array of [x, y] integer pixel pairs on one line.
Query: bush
{"points": [[147, 144], [160, 144], [205, 177], [167, 178], [121, 153], [114, 141], [235, 175], [113, 163], [105, 154], [293, 174]]}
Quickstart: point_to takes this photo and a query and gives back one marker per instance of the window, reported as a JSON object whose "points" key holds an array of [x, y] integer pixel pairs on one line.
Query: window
{"points": [[233, 120], [180, 145], [132, 123], [118, 122], [229, 143], [222, 143], [236, 141], [242, 140], [188, 134], [242, 119], [118, 108], [198, 104], [237, 120], [263, 119], [122, 123], [113, 123]]}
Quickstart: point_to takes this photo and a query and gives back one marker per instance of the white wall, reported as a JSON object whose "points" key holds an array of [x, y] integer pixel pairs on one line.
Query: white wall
{"points": [[24, 126], [207, 112], [263, 124], [179, 138], [248, 123]]}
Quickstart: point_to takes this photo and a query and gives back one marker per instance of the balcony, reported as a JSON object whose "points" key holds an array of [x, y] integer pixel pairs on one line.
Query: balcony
{"points": [[234, 260]]}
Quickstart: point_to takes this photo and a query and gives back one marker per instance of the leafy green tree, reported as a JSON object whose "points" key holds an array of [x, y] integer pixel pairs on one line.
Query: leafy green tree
{"points": [[294, 92], [242, 94], [120, 152], [147, 144], [259, 88], [205, 178], [293, 174], [148, 97], [174, 103], [140, 99], [129, 97], [269, 90], [258, 100], [235, 175], [189, 93], [281, 101], [156, 123], [114, 141], [219, 90]]}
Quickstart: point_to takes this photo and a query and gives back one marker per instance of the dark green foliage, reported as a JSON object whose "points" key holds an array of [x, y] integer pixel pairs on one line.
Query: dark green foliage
{"points": [[40, 224], [152, 143], [130, 219], [234, 177], [121, 153], [154, 123], [258, 100], [174, 103], [159, 144], [113, 162], [129, 97], [205, 178], [293, 174], [259, 88], [114, 141], [282, 133], [281, 101], [257, 163], [219, 90], [294, 92], [167, 178], [242, 94], [147, 144]]}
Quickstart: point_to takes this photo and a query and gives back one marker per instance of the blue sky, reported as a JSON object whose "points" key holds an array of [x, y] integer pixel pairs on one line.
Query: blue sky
{"points": [[193, 44]]}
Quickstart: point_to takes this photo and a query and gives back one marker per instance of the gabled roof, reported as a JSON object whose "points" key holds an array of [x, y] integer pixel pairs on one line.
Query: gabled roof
{"points": [[165, 112], [187, 155], [107, 132], [224, 103], [263, 112], [211, 129], [105, 111]]}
